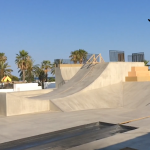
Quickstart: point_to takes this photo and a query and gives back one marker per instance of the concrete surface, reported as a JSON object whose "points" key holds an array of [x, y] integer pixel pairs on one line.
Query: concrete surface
{"points": [[17, 127], [17, 103]]}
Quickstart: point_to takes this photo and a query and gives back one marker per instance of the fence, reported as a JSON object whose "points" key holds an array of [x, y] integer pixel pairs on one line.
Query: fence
{"points": [[6, 86]]}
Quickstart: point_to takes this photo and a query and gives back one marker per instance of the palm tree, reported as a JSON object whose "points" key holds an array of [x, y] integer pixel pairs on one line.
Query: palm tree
{"points": [[3, 57], [46, 66], [22, 60], [5, 69], [29, 71], [55, 64], [146, 62], [74, 56], [53, 69], [78, 55], [39, 72], [82, 55]]}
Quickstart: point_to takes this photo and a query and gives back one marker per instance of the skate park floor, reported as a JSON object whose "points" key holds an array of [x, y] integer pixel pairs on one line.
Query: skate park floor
{"points": [[23, 126]]}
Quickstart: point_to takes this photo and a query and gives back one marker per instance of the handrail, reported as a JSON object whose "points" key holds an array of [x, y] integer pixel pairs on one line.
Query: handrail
{"points": [[95, 59]]}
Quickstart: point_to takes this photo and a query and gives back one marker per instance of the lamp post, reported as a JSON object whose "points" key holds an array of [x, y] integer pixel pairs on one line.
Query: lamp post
{"points": [[149, 20]]}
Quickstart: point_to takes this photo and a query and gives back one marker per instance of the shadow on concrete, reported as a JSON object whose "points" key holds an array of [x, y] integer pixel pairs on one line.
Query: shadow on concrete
{"points": [[139, 143]]}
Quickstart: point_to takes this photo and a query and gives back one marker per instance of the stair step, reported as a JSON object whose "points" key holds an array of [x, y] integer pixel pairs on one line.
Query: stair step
{"points": [[145, 68], [131, 79], [138, 73]]}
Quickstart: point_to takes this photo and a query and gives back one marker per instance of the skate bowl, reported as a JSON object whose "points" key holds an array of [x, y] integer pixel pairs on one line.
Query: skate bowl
{"points": [[94, 86]]}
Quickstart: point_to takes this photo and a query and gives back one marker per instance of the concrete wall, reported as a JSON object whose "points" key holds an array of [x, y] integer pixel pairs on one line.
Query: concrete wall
{"points": [[6, 90], [65, 72], [17, 103], [26, 87], [3, 106]]}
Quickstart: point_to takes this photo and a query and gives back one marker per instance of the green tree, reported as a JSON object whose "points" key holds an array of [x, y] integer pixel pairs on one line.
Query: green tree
{"points": [[55, 64], [39, 72], [78, 56], [14, 78], [30, 71], [3, 58], [51, 79], [22, 60], [74, 56], [53, 69], [82, 56], [146, 63], [5, 69], [46, 66]]}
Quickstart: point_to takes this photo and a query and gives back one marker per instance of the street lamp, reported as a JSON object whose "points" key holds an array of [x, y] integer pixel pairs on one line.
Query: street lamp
{"points": [[149, 20]]}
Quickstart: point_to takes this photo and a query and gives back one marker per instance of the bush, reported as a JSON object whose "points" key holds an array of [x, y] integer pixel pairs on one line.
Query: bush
{"points": [[14, 78], [51, 79]]}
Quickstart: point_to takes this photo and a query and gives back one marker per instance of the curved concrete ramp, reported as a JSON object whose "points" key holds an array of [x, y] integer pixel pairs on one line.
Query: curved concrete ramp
{"points": [[94, 86], [136, 94], [84, 77]]}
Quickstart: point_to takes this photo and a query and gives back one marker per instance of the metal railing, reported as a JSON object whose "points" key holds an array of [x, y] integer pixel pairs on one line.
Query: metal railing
{"points": [[68, 61]]}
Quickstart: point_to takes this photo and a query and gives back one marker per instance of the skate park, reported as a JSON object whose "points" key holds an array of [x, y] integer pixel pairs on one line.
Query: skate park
{"points": [[107, 98]]}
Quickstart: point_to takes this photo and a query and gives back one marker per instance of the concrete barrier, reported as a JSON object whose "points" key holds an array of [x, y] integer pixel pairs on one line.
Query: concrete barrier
{"points": [[17, 103], [26, 87], [6, 90]]}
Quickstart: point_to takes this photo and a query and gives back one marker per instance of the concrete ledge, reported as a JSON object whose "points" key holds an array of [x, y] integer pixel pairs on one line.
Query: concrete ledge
{"points": [[17, 103], [70, 65]]}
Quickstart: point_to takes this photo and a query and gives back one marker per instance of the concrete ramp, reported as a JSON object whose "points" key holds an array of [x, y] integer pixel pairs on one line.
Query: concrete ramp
{"points": [[107, 97], [94, 86], [136, 95]]}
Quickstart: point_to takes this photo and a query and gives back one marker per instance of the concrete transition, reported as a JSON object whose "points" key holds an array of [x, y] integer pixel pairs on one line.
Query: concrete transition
{"points": [[94, 86]]}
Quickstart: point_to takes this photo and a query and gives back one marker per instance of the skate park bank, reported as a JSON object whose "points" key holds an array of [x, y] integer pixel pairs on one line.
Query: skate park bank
{"points": [[94, 86]]}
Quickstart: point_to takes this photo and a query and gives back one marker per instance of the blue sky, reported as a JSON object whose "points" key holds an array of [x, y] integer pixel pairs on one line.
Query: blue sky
{"points": [[50, 29]]}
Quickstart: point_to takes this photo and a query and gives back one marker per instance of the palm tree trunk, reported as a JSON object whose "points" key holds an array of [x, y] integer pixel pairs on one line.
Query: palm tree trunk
{"points": [[42, 84], [46, 77], [23, 75]]}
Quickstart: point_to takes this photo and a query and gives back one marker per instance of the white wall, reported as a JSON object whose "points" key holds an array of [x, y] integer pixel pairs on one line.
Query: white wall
{"points": [[27, 87], [6, 90], [48, 85]]}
